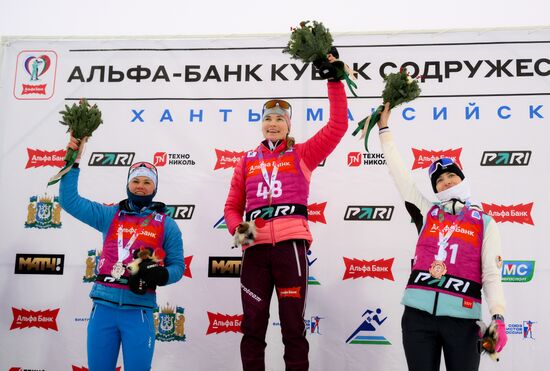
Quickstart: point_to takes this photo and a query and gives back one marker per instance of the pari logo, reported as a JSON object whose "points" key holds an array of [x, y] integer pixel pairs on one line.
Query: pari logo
{"points": [[39, 264], [368, 331], [224, 266], [172, 159], [423, 158], [227, 159], [505, 158], [218, 323], [356, 159], [180, 212], [111, 158], [518, 270], [169, 323], [369, 213], [356, 268], [35, 75], [524, 328], [39, 158], [514, 213], [44, 319], [43, 212]]}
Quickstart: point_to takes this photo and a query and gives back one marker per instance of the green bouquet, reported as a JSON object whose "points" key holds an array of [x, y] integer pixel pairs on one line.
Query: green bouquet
{"points": [[400, 88], [311, 42], [82, 120]]}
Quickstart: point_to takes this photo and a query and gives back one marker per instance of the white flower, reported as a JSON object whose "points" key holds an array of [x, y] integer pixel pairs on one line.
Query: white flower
{"points": [[409, 80]]}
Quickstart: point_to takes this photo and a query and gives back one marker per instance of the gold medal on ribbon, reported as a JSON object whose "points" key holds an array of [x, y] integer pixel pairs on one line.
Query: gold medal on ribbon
{"points": [[438, 269], [118, 270]]}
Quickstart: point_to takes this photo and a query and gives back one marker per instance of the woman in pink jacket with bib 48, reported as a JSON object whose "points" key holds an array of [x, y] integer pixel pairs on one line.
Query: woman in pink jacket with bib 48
{"points": [[270, 187]]}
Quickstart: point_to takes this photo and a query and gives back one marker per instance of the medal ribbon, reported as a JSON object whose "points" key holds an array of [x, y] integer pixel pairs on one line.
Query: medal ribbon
{"points": [[269, 180], [129, 244], [444, 238]]}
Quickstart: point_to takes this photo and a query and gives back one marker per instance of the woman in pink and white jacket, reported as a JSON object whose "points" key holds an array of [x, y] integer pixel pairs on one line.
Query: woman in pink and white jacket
{"points": [[270, 186]]}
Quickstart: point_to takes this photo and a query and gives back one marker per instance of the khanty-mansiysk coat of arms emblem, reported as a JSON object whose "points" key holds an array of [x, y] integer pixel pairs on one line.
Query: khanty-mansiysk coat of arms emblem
{"points": [[169, 323], [43, 212]]}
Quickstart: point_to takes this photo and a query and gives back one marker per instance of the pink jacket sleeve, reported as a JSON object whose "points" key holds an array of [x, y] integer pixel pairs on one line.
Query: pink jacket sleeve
{"points": [[319, 146], [236, 199]]}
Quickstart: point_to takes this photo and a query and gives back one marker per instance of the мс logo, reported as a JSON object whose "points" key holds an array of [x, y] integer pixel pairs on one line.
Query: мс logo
{"points": [[224, 266], [39, 264], [39, 158], [366, 213], [514, 213], [219, 323], [505, 158], [423, 158], [45, 319], [356, 268], [111, 158], [180, 212], [518, 270], [35, 74], [227, 159]]}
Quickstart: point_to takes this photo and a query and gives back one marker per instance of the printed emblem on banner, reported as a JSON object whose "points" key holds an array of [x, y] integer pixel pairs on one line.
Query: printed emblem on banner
{"points": [[173, 159], [514, 213], [44, 319], [82, 368], [368, 331], [220, 224], [316, 213], [219, 323], [224, 266], [518, 270], [313, 325], [311, 280], [39, 158], [169, 322], [187, 261], [368, 213], [357, 268], [111, 158], [524, 328], [423, 158], [180, 212], [92, 266], [227, 159], [356, 159], [43, 212], [39, 263], [505, 158], [35, 75]]}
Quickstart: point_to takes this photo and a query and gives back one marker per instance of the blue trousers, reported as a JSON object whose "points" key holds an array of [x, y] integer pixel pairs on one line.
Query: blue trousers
{"points": [[109, 327]]}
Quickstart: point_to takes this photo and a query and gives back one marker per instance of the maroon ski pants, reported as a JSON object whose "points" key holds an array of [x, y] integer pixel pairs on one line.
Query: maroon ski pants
{"points": [[282, 266]]}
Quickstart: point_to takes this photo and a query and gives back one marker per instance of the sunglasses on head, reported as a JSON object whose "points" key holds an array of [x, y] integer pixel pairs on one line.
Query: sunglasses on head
{"points": [[442, 162], [147, 165], [278, 102]]}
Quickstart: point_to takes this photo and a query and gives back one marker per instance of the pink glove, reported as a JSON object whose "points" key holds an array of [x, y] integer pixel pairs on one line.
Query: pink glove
{"points": [[500, 331]]}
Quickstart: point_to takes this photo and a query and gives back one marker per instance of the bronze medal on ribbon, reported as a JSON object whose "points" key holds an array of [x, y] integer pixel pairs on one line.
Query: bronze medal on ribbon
{"points": [[118, 270], [438, 269]]}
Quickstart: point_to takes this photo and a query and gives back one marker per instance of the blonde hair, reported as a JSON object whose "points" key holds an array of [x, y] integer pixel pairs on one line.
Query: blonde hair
{"points": [[290, 142]]}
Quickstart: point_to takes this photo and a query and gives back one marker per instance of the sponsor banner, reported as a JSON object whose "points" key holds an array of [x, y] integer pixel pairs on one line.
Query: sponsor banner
{"points": [[44, 319], [227, 159], [173, 159], [368, 213], [368, 332], [513, 213], [316, 213], [39, 263], [518, 270], [356, 268], [423, 158], [35, 75], [43, 212], [40, 158], [169, 323], [505, 158], [356, 159], [526, 329], [224, 266], [219, 323], [111, 158], [180, 212]]}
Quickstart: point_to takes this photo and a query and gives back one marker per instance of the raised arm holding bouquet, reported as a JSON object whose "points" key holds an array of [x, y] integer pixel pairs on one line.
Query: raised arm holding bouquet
{"points": [[82, 120], [312, 43], [400, 88]]}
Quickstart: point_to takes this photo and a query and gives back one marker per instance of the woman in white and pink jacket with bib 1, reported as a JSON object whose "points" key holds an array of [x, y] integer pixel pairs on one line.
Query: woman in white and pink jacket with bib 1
{"points": [[271, 187]]}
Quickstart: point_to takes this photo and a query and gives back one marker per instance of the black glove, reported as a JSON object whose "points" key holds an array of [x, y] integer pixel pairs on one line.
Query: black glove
{"points": [[149, 276], [326, 69]]}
